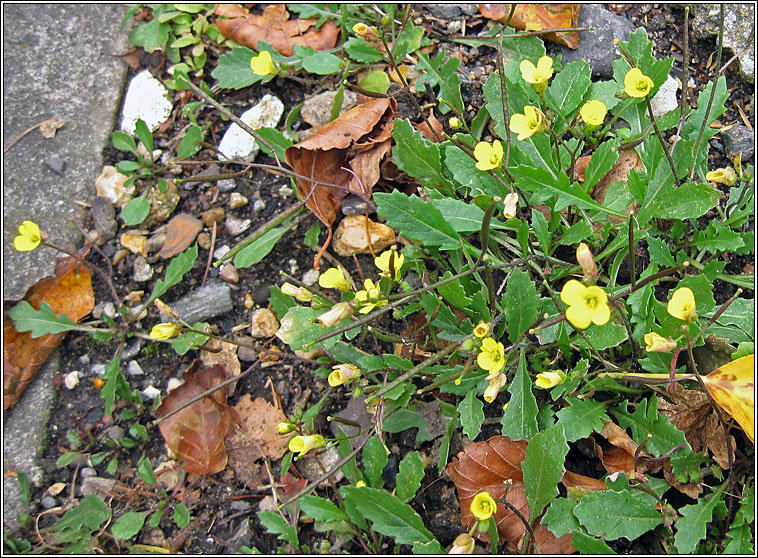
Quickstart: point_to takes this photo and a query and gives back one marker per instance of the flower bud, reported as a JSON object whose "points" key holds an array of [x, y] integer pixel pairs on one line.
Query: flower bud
{"points": [[550, 379], [164, 308], [455, 123], [300, 293], [510, 205], [285, 427], [303, 444], [482, 329], [165, 331], [463, 544], [586, 260], [343, 373], [339, 312], [658, 344]]}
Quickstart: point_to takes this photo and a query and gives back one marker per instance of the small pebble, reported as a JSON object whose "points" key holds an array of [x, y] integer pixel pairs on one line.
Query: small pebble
{"points": [[229, 273], [310, 277], [237, 200], [143, 271], [135, 369], [56, 164], [261, 295], [155, 242], [204, 240], [151, 392], [98, 369], [259, 205], [119, 256], [172, 384], [84, 359], [132, 349], [235, 226], [48, 502], [293, 266], [213, 215], [72, 379], [248, 301], [87, 472], [226, 185], [264, 323], [114, 432], [240, 505], [56, 488], [285, 191], [221, 251]]}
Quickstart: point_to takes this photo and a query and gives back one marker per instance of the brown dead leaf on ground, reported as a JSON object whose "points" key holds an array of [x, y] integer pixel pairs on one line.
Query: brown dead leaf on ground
{"points": [[536, 17], [426, 131], [487, 466], [181, 231], [69, 292], [275, 27], [732, 386], [196, 433], [257, 437], [358, 140], [692, 413]]}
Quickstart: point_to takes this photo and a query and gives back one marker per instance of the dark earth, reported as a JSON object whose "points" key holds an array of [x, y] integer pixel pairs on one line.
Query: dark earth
{"points": [[222, 508]]}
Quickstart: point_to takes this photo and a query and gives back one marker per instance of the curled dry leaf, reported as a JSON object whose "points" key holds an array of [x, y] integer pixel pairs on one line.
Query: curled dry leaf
{"points": [[488, 466], [358, 140], [536, 17], [196, 433], [221, 353], [257, 437], [426, 130], [732, 386], [48, 128], [274, 27], [181, 231], [69, 292]]}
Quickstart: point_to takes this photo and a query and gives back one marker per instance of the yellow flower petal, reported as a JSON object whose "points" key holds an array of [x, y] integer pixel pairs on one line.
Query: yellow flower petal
{"points": [[29, 237], [573, 292], [578, 317], [545, 67], [333, 278], [637, 84], [262, 64], [527, 71], [593, 113], [483, 506], [682, 305]]}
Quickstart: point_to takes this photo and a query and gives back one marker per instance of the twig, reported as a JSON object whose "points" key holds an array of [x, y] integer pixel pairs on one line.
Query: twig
{"points": [[37, 125], [659, 135], [685, 76], [210, 253]]}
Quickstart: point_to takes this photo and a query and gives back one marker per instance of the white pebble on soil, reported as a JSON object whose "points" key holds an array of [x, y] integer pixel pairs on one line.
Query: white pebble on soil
{"points": [[147, 99]]}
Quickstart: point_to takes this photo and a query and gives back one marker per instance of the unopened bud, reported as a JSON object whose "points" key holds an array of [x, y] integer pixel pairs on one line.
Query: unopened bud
{"points": [[586, 260], [165, 309], [455, 123]]}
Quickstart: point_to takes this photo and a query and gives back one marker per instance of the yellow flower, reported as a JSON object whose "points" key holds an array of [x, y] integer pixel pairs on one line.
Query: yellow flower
{"points": [[722, 176], [455, 123], [463, 544], [285, 427], [482, 329], [529, 123], [360, 29], [338, 312], [537, 76], [550, 379], [496, 384], [29, 238], [300, 293], [303, 444], [333, 278], [586, 305], [382, 262], [165, 331], [593, 113], [359, 484], [586, 260], [510, 205], [658, 344], [483, 506], [369, 297], [262, 65], [492, 357], [682, 305], [637, 84], [343, 373], [488, 156]]}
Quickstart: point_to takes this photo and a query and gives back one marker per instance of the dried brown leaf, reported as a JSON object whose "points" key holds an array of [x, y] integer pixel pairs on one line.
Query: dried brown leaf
{"points": [[181, 231], [426, 131], [274, 27], [536, 17], [69, 292], [196, 433]]}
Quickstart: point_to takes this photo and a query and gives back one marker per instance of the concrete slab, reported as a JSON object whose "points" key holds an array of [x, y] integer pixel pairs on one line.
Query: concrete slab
{"points": [[58, 62]]}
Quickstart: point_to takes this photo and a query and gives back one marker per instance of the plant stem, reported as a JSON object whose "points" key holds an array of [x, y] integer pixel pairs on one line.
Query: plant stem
{"points": [[685, 77], [658, 134]]}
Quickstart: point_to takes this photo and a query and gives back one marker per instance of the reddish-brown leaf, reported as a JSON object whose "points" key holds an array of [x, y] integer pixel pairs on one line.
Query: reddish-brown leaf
{"points": [[181, 231], [426, 131], [274, 27], [196, 433], [488, 466], [732, 386], [69, 292], [357, 140], [536, 17]]}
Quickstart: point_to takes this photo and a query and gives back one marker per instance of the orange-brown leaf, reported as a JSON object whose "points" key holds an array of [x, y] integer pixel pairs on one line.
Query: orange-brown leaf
{"points": [[181, 231], [274, 27], [69, 292], [732, 386], [536, 17], [196, 433]]}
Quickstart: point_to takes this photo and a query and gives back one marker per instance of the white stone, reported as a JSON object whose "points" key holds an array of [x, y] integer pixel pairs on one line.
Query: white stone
{"points": [[665, 99], [146, 99], [310, 277], [237, 143], [221, 251], [135, 369], [110, 185], [172, 384], [151, 392], [71, 379]]}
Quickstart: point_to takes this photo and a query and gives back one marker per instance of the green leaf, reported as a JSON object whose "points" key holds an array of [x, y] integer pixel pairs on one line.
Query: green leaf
{"points": [[690, 200], [123, 142], [581, 418], [471, 414], [311, 236], [543, 468], [299, 328], [520, 417], [659, 252], [445, 75], [559, 517], [407, 418], [259, 248], [578, 232], [611, 515], [463, 217], [189, 144], [604, 91], [144, 135], [542, 231], [517, 98], [90, 514], [391, 517], [375, 459], [135, 211], [740, 533], [417, 219], [690, 527], [153, 34], [322, 63], [408, 41], [128, 525], [468, 176], [66, 459], [602, 161], [520, 303], [175, 272], [568, 88], [321, 509], [113, 381], [189, 340], [276, 139], [145, 469], [275, 525], [233, 70], [39, 322], [378, 82], [409, 476], [740, 313], [604, 337], [359, 50], [126, 167], [587, 544], [417, 156]]}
